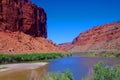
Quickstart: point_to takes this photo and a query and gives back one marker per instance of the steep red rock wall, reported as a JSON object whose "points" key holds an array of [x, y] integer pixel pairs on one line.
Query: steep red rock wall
{"points": [[23, 28], [99, 38], [22, 15]]}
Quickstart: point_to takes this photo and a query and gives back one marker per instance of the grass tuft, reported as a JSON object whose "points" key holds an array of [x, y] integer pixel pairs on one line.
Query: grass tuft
{"points": [[59, 76]]}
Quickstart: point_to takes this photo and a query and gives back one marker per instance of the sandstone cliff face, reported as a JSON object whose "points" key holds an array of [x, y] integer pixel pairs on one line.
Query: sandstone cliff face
{"points": [[100, 38], [22, 15], [23, 28]]}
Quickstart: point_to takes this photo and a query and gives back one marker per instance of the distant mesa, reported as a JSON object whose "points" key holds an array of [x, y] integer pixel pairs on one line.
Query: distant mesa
{"points": [[23, 28], [100, 38]]}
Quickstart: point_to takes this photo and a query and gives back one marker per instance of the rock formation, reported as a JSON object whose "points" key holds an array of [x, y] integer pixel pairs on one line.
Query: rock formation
{"points": [[23, 28], [99, 38], [11, 42], [22, 15]]}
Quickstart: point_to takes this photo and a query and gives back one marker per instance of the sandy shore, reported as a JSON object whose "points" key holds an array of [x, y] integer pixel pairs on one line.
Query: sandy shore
{"points": [[21, 66]]}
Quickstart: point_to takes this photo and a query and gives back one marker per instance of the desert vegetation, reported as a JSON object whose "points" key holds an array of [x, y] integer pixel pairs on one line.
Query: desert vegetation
{"points": [[102, 72], [105, 72], [16, 58], [66, 75], [100, 54]]}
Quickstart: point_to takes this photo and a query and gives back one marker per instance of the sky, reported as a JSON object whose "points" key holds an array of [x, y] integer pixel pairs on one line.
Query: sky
{"points": [[66, 19]]}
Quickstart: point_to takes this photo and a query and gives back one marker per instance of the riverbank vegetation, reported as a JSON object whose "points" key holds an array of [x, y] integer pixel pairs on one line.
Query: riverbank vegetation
{"points": [[59, 76], [69, 54], [104, 72], [99, 54], [17, 58]]}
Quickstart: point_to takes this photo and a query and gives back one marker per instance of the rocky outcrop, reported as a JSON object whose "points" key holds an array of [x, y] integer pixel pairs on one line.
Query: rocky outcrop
{"points": [[24, 16], [23, 28], [99, 38]]}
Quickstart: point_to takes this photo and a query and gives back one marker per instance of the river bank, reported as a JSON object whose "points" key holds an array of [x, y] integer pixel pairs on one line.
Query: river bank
{"points": [[97, 54], [21, 58], [79, 67], [20, 66]]}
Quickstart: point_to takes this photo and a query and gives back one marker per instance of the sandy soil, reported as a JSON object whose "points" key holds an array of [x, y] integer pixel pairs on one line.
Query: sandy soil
{"points": [[21, 66]]}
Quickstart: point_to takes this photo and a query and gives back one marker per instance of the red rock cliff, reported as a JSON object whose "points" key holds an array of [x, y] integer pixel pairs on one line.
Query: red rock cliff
{"points": [[23, 15], [106, 32], [99, 38]]}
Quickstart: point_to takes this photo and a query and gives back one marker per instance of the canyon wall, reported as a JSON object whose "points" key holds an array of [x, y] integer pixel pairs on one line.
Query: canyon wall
{"points": [[104, 38], [23, 28], [24, 16]]}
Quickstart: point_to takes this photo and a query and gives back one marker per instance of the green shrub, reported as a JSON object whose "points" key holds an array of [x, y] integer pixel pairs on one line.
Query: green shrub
{"points": [[101, 54], [58, 76], [110, 54], [102, 72], [13, 58], [69, 54]]}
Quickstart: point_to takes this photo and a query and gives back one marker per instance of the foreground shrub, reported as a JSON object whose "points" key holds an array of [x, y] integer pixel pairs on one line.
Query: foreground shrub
{"points": [[13, 58], [58, 76], [102, 72]]}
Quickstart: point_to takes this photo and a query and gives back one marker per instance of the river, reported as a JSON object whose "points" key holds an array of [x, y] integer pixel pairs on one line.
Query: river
{"points": [[79, 67]]}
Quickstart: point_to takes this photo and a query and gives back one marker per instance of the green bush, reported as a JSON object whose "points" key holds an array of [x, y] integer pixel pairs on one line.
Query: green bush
{"points": [[101, 54], [110, 54], [13, 58], [102, 72], [58, 76], [69, 54]]}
